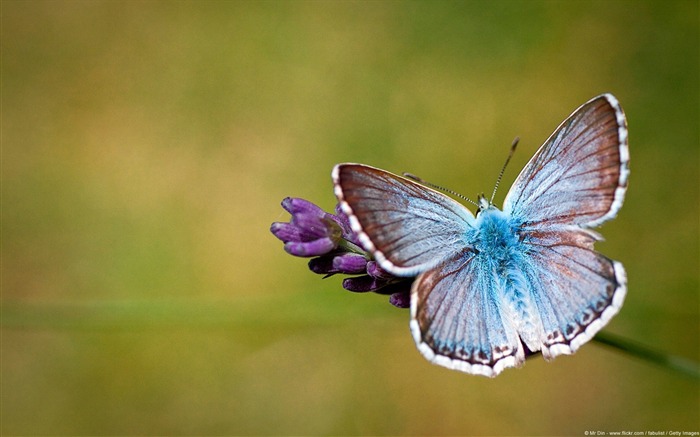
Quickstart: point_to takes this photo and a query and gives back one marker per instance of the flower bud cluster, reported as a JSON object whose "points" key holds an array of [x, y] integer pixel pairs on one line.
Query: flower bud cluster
{"points": [[334, 248]]}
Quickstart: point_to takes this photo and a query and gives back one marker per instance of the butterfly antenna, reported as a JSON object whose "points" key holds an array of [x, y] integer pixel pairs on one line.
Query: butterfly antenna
{"points": [[438, 187], [500, 175]]}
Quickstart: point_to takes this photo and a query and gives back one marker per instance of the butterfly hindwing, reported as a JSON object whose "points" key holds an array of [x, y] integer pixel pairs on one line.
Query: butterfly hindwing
{"points": [[456, 320], [409, 228], [575, 289]]}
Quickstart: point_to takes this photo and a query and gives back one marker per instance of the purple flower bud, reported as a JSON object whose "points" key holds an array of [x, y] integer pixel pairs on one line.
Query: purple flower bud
{"points": [[311, 231], [295, 205], [350, 263], [401, 299], [314, 227], [311, 248], [362, 284], [323, 265], [287, 231]]}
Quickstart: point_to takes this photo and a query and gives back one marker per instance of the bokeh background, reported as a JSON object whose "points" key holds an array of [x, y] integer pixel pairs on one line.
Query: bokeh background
{"points": [[146, 147]]}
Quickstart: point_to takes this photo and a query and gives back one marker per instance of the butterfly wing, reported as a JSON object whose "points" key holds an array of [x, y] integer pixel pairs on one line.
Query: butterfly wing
{"points": [[579, 176], [575, 181], [576, 290], [456, 319], [408, 227]]}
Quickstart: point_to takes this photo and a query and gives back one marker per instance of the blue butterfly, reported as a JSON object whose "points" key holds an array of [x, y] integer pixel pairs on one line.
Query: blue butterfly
{"points": [[491, 288]]}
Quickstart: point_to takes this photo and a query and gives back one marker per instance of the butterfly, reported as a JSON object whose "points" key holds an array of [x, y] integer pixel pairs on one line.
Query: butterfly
{"points": [[493, 287]]}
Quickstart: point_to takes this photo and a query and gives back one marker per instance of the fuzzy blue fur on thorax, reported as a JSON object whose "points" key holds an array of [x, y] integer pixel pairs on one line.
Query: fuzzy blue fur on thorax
{"points": [[495, 236]]}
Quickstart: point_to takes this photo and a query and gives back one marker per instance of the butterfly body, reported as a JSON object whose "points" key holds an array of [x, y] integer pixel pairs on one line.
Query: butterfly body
{"points": [[491, 287]]}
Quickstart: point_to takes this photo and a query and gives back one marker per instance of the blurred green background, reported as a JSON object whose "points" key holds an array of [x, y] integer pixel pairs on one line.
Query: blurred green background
{"points": [[146, 147]]}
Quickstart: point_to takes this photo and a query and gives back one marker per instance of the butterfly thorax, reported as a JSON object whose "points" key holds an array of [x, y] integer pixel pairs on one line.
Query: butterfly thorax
{"points": [[494, 235]]}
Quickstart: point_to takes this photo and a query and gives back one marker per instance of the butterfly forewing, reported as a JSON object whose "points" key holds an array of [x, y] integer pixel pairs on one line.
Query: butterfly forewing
{"points": [[409, 228], [579, 176]]}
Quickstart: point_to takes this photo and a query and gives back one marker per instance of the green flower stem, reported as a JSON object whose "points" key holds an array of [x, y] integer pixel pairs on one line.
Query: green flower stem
{"points": [[671, 362]]}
